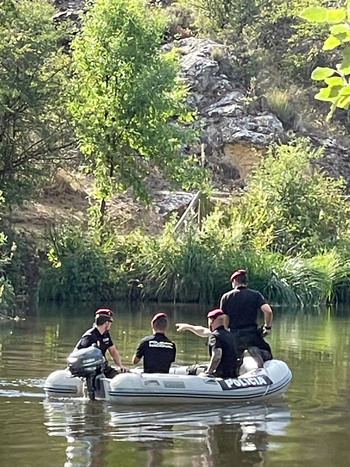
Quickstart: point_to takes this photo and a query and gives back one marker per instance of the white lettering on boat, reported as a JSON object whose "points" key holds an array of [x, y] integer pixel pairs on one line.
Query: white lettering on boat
{"points": [[251, 381]]}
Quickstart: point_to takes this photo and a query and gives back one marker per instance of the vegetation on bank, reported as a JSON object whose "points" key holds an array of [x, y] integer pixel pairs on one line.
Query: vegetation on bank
{"points": [[290, 229], [61, 89]]}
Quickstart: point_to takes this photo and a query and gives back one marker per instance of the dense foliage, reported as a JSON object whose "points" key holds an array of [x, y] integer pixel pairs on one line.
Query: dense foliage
{"points": [[290, 229], [293, 207], [120, 91], [6, 289], [34, 129], [127, 100]]}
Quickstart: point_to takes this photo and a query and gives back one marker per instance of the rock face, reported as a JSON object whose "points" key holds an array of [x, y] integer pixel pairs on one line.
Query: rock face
{"points": [[233, 129], [233, 132]]}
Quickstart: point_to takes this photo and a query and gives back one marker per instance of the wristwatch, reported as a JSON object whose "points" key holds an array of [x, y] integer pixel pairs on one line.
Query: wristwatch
{"points": [[267, 327]]}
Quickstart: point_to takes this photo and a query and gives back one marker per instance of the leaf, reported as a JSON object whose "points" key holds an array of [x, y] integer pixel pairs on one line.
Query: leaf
{"points": [[345, 91], [336, 15], [320, 73], [329, 93], [345, 64], [331, 43], [340, 29], [334, 81], [344, 102], [314, 14]]}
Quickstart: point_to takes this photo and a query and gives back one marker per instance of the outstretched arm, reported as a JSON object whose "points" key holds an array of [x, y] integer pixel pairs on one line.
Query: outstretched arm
{"points": [[200, 331]]}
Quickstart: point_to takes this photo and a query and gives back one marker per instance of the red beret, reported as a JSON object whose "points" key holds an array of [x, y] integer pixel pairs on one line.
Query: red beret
{"points": [[157, 316], [104, 312], [237, 273], [215, 313]]}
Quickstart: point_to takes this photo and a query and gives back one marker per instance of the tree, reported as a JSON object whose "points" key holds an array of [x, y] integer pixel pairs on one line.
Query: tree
{"points": [[6, 289], [127, 100], [34, 128]]}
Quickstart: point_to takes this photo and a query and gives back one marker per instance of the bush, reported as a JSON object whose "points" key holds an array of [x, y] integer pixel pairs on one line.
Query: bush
{"points": [[80, 270], [291, 205]]}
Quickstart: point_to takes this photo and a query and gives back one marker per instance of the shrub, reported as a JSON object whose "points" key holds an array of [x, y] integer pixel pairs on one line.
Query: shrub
{"points": [[301, 209], [80, 270]]}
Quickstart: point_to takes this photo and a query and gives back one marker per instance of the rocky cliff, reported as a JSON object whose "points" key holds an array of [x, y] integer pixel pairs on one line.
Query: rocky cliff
{"points": [[235, 129]]}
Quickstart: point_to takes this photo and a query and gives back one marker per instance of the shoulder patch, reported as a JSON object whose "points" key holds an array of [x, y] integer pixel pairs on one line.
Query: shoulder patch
{"points": [[212, 340]]}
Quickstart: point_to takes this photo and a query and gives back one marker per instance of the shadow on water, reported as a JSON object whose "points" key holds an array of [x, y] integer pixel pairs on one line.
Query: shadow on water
{"points": [[97, 433]]}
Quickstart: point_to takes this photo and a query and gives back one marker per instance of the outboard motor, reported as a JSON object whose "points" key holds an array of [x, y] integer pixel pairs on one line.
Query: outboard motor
{"points": [[87, 363]]}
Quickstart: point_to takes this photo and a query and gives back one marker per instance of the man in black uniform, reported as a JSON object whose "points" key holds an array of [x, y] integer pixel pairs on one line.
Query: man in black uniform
{"points": [[157, 350], [99, 336], [224, 360], [241, 305]]}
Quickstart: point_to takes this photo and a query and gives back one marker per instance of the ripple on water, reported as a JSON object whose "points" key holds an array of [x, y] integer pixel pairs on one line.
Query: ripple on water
{"points": [[21, 387]]}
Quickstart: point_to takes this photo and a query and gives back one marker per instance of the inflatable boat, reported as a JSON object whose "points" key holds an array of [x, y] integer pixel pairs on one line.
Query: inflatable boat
{"points": [[84, 378]]}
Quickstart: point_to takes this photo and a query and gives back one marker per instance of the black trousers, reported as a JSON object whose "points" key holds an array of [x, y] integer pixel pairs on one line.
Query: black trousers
{"points": [[251, 337]]}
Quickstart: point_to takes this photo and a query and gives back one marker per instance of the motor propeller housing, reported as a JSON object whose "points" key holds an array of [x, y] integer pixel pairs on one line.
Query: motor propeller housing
{"points": [[85, 362]]}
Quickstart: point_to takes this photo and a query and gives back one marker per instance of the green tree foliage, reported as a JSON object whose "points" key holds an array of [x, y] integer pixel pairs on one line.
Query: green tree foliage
{"points": [[337, 80], [127, 99], [6, 289], [265, 35], [194, 265], [33, 124], [80, 268], [290, 206], [218, 15]]}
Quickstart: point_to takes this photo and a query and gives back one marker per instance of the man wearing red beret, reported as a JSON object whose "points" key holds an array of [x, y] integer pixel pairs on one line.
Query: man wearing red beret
{"points": [[224, 361], [241, 305], [100, 337]]}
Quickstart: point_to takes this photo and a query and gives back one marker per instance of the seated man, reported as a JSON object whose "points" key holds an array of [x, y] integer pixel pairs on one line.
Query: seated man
{"points": [[157, 350], [99, 336], [224, 362]]}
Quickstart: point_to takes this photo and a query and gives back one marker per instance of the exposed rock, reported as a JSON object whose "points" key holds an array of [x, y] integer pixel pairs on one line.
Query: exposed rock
{"points": [[336, 159], [233, 135], [233, 131], [173, 202], [229, 130]]}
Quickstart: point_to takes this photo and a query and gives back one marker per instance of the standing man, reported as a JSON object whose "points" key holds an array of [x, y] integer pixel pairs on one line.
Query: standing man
{"points": [[241, 305], [99, 336], [157, 350]]}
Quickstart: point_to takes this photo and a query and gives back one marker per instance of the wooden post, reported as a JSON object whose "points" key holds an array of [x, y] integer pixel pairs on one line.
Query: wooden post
{"points": [[191, 206]]}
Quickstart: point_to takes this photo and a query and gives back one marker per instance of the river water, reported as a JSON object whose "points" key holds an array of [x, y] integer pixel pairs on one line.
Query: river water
{"points": [[309, 426]]}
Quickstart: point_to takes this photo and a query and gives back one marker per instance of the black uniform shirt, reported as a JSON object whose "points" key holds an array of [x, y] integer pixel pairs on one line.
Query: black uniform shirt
{"points": [[93, 336], [158, 353], [222, 339], [241, 305]]}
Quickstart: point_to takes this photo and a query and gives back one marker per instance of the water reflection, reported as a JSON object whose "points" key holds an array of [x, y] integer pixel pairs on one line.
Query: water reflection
{"points": [[83, 424], [203, 437]]}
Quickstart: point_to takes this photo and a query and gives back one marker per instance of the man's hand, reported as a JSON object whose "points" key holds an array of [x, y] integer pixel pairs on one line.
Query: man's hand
{"points": [[198, 330], [265, 330], [181, 327], [123, 369]]}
